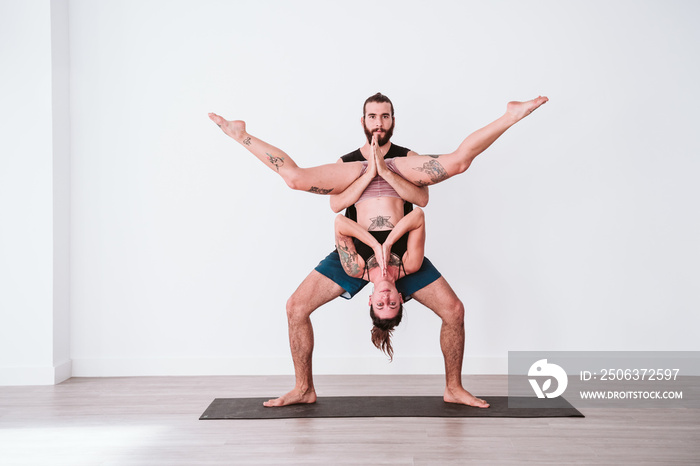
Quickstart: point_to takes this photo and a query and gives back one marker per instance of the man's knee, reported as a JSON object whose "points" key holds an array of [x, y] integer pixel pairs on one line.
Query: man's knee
{"points": [[453, 313], [315, 291], [298, 309], [442, 300]]}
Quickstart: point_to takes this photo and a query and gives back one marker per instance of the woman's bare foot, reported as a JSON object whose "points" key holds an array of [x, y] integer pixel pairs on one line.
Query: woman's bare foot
{"points": [[234, 129], [461, 396], [292, 398], [520, 110]]}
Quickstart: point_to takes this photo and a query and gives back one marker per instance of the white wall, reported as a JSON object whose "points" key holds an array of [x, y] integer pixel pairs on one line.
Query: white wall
{"points": [[60, 112], [576, 231], [34, 193]]}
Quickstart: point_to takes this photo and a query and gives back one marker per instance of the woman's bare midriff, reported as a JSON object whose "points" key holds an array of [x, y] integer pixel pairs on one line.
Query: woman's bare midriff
{"points": [[379, 213]]}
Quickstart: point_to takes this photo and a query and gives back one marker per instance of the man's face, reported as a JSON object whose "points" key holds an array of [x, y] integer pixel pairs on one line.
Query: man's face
{"points": [[378, 120]]}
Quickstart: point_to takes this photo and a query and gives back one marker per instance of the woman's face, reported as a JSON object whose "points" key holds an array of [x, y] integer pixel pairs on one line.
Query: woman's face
{"points": [[385, 300]]}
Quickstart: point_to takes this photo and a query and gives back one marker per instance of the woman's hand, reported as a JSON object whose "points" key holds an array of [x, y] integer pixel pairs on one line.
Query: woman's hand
{"points": [[386, 251], [380, 257]]}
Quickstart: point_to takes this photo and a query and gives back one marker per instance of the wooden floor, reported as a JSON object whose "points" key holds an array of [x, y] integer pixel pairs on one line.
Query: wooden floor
{"points": [[154, 421]]}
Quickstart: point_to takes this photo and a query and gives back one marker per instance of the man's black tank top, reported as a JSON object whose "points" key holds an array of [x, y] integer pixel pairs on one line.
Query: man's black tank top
{"points": [[356, 156]]}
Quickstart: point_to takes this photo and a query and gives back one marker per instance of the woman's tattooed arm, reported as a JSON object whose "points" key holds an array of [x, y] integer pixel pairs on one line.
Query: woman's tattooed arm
{"points": [[348, 256]]}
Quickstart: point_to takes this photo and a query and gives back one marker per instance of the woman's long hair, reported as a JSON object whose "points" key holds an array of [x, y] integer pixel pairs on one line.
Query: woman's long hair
{"points": [[382, 330]]}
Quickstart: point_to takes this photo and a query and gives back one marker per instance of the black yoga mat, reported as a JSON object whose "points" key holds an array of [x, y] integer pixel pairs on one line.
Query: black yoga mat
{"points": [[381, 406]]}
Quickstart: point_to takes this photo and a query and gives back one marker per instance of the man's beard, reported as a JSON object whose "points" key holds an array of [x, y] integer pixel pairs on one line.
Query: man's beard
{"points": [[382, 139]]}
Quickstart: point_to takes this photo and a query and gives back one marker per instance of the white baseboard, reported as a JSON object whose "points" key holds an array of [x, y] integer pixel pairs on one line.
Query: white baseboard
{"points": [[48, 375], [35, 375], [63, 371], [277, 366]]}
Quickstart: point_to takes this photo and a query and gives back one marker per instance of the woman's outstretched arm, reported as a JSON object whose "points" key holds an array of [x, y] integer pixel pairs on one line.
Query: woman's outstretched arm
{"points": [[377, 166], [323, 179], [407, 190], [424, 170], [414, 225], [354, 191]]}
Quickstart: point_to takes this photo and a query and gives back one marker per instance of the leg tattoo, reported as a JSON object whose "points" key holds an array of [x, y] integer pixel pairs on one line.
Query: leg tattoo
{"points": [[276, 161], [316, 190], [435, 171]]}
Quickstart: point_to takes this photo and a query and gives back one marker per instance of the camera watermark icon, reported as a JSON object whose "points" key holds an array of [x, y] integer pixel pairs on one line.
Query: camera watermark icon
{"points": [[542, 368]]}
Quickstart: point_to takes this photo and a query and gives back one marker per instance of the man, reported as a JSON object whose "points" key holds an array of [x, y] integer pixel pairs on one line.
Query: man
{"points": [[329, 281]]}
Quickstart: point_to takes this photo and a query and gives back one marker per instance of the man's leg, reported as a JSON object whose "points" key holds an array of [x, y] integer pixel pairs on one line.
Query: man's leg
{"points": [[315, 291], [442, 300]]}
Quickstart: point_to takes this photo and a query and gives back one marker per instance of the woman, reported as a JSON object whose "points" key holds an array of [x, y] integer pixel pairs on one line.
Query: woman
{"points": [[422, 170], [382, 257], [382, 246]]}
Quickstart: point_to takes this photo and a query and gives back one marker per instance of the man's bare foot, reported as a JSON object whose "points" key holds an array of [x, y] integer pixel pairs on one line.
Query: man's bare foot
{"points": [[461, 396], [292, 398], [234, 129], [520, 110]]}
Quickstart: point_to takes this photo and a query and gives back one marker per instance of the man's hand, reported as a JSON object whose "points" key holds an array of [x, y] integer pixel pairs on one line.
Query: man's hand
{"points": [[378, 157], [371, 161]]}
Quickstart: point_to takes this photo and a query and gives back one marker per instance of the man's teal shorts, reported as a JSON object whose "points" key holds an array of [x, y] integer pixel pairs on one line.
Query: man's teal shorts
{"points": [[333, 269]]}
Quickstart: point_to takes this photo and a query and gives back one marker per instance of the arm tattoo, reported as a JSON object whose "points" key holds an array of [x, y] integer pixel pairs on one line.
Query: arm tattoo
{"points": [[372, 262], [276, 161], [380, 223], [246, 141], [435, 171], [394, 260], [348, 258], [316, 190]]}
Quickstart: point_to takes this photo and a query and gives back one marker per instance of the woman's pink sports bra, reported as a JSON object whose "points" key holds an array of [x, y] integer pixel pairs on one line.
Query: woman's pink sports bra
{"points": [[379, 187]]}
